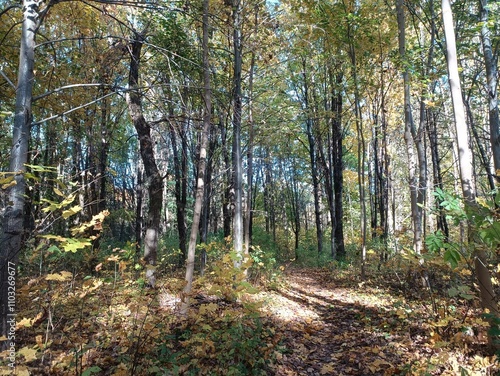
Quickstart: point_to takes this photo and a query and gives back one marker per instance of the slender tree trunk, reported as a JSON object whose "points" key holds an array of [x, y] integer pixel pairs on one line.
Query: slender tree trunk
{"points": [[179, 192], [409, 135], [312, 158], [248, 212], [138, 215], [207, 207], [485, 161], [361, 153], [202, 161], [442, 223], [226, 195], [491, 65], [236, 154], [154, 180], [338, 166], [269, 196], [488, 298]]}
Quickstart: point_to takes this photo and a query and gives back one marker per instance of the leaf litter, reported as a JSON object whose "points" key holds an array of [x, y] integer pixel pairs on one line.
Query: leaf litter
{"points": [[313, 322]]}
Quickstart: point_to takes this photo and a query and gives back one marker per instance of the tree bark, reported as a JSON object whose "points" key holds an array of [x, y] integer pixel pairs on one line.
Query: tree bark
{"points": [[154, 181], [236, 152], [202, 162], [491, 65], [312, 157], [338, 166], [13, 221]]}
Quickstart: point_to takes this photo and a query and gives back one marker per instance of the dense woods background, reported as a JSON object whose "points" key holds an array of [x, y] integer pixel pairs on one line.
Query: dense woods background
{"points": [[144, 139]]}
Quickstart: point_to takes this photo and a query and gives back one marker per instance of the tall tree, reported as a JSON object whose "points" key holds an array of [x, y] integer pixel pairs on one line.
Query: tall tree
{"points": [[413, 139], [154, 180], [490, 55], [13, 221], [312, 154], [202, 161], [237, 165]]}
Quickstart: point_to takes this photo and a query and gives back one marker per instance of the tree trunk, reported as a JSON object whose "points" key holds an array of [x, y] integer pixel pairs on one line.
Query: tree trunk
{"points": [[249, 198], [202, 162], [153, 179], [236, 153], [13, 221], [179, 192], [312, 158], [338, 166], [491, 64], [361, 152], [138, 215], [410, 136], [442, 222], [226, 195]]}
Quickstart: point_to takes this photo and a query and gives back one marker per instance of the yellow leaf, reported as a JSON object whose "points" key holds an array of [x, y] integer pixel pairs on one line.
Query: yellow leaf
{"points": [[71, 211], [22, 371], [63, 276], [328, 369], [8, 185], [207, 308], [39, 341], [28, 353], [121, 370], [58, 192], [24, 323]]}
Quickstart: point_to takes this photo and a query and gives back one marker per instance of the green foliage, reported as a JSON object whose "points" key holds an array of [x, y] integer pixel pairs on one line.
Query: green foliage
{"points": [[264, 266], [438, 245], [483, 221], [451, 204]]}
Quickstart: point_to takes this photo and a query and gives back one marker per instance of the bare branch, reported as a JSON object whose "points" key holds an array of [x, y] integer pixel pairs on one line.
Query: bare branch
{"points": [[68, 87], [7, 79]]}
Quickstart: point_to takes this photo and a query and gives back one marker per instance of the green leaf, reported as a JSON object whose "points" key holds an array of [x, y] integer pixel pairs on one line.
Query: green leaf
{"points": [[91, 370], [73, 245], [452, 257], [435, 242]]}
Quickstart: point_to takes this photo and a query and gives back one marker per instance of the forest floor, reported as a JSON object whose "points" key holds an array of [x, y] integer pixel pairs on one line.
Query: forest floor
{"points": [[308, 322], [340, 326]]}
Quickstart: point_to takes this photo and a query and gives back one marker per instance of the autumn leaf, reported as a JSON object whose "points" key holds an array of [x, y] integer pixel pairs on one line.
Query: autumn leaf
{"points": [[71, 211], [28, 353], [63, 276], [328, 369], [24, 323]]}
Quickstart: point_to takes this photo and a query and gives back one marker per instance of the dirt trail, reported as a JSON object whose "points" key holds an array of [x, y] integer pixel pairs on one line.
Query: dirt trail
{"points": [[337, 330]]}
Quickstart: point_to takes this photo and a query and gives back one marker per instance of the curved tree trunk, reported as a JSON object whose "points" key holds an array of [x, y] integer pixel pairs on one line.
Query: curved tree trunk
{"points": [[154, 181]]}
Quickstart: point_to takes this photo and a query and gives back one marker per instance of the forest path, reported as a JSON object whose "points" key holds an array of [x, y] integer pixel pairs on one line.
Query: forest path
{"points": [[342, 328]]}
